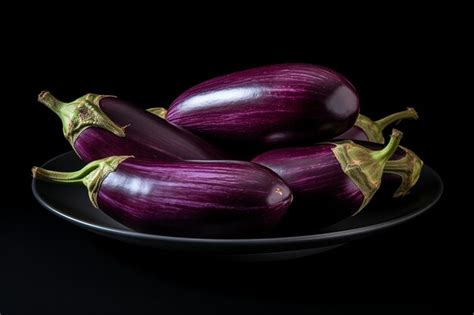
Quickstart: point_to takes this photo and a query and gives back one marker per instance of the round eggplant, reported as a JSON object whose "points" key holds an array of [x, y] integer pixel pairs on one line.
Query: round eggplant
{"points": [[193, 198], [99, 126]]}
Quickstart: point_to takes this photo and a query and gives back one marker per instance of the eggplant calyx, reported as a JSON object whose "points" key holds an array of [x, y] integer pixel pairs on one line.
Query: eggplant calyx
{"points": [[158, 111], [370, 128], [364, 166], [408, 168], [92, 175], [80, 114]]}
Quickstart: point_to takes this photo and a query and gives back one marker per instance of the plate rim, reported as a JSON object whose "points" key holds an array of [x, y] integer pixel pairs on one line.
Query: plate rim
{"points": [[328, 237]]}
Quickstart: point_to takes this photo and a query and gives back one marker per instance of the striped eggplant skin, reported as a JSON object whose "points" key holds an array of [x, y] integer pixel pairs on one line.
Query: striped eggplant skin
{"points": [[330, 181], [105, 126], [272, 106], [191, 198], [317, 181], [96, 143]]}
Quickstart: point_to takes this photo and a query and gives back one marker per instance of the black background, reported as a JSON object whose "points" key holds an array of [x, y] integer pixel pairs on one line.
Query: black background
{"points": [[48, 265]]}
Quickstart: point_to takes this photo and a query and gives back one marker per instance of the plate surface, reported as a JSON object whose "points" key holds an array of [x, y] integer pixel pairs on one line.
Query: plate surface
{"points": [[72, 203]]}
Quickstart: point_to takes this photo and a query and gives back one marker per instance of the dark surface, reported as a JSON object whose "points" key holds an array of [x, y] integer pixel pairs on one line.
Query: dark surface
{"points": [[73, 204], [50, 266]]}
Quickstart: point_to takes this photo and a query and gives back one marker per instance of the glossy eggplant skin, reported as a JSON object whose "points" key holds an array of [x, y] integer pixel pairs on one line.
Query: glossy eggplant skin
{"points": [[145, 136], [100, 126], [271, 106], [322, 191], [354, 133], [204, 199], [95, 143]]}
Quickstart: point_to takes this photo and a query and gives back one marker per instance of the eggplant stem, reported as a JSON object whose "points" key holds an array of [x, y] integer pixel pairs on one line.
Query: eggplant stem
{"points": [[90, 175], [65, 111], [409, 113], [80, 114], [46, 98], [386, 153], [65, 177]]}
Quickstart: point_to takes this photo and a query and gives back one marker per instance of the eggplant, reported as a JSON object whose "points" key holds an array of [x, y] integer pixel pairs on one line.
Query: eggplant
{"points": [[365, 129], [269, 106], [192, 198], [332, 180], [98, 126]]}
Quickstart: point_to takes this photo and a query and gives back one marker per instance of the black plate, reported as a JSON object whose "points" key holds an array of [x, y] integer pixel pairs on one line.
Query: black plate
{"points": [[72, 204]]}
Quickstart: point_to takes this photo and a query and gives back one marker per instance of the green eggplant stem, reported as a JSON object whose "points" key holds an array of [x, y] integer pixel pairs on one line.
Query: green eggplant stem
{"points": [[65, 111], [90, 175], [80, 114], [65, 177], [386, 153], [409, 113], [363, 166], [46, 98]]}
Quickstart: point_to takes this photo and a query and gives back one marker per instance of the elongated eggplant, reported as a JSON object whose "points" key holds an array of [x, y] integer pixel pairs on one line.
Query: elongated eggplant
{"points": [[271, 106], [196, 198], [99, 126], [338, 178], [366, 129]]}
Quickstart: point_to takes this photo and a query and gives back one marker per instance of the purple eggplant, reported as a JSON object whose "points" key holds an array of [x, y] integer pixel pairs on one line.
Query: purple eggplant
{"points": [[195, 198], [366, 129], [99, 126], [337, 179], [269, 106]]}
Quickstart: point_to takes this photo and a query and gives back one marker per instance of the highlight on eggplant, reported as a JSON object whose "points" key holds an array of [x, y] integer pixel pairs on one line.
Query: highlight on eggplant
{"points": [[271, 106], [98, 126], [338, 178], [366, 129], [192, 198]]}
